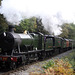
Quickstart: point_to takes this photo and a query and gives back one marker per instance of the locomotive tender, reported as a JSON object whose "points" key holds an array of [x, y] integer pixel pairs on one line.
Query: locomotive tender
{"points": [[20, 48]]}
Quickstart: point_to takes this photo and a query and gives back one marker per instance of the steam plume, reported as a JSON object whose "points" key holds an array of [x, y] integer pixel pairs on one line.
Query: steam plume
{"points": [[52, 12]]}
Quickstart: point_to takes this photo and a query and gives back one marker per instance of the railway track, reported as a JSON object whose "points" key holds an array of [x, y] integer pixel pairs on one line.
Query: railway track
{"points": [[26, 68], [20, 68]]}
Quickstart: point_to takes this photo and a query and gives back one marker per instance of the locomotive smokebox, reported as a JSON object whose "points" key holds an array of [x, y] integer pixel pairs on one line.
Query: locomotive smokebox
{"points": [[11, 28]]}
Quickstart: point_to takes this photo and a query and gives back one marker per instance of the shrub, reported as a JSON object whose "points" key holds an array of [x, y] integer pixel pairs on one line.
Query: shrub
{"points": [[71, 59], [49, 64], [60, 67]]}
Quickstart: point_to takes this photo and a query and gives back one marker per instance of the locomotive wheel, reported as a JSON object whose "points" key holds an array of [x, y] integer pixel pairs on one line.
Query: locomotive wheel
{"points": [[13, 66], [43, 55]]}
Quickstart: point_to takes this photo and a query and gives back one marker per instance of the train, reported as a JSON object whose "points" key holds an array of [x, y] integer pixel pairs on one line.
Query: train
{"points": [[19, 48]]}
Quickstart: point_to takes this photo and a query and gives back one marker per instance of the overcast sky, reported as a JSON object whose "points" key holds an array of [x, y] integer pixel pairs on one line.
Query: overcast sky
{"points": [[52, 12]]}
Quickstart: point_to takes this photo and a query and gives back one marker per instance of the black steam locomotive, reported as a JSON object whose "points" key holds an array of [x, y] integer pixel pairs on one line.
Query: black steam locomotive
{"points": [[17, 49]]}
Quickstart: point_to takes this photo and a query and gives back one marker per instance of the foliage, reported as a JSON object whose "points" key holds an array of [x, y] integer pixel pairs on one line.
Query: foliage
{"points": [[57, 67], [0, 2], [61, 67], [49, 64], [3, 24], [27, 24], [64, 31], [40, 27], [32, 25], [71, 31], [71, 59], [68, 30]]}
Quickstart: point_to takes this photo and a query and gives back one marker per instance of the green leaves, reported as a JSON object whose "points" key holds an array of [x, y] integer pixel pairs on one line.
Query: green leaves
{"points": [[49, 64], [3, 24], [71, 58], [32, 25], [68, 31], [27, 24]]}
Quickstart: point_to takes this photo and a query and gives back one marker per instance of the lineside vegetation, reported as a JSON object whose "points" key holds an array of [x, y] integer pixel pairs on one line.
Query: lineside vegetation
{"points": [[63, 66]]}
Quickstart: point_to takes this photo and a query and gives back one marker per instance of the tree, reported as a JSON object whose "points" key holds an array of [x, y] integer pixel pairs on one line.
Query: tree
{"points": [[71, 31], [27, 24], [3, 23], [40, 27], [32, 25], [68, 30], [0, 2], [64, 31]]}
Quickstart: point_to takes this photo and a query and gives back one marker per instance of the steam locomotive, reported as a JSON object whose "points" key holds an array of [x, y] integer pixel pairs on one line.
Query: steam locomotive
{"points": [[20, 48]]}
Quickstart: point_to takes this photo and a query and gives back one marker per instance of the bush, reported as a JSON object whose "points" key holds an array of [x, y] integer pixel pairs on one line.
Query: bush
{"points": [[65, 66], [49, 64], [71, 59], [59, 67]]}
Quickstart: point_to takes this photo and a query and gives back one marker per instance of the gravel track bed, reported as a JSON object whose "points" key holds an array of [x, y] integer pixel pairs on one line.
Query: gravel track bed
{"points": [[34, 67]]}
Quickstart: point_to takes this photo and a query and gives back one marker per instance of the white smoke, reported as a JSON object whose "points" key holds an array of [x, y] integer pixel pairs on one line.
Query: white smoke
{"points": [[52, 12]]}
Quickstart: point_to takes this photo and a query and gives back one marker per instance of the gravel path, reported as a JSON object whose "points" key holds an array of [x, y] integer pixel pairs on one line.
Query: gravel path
{"points": [[37, 67]]}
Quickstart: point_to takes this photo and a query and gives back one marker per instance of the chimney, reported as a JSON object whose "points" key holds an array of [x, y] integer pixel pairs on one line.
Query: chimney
{"points": [[11, 28]]}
